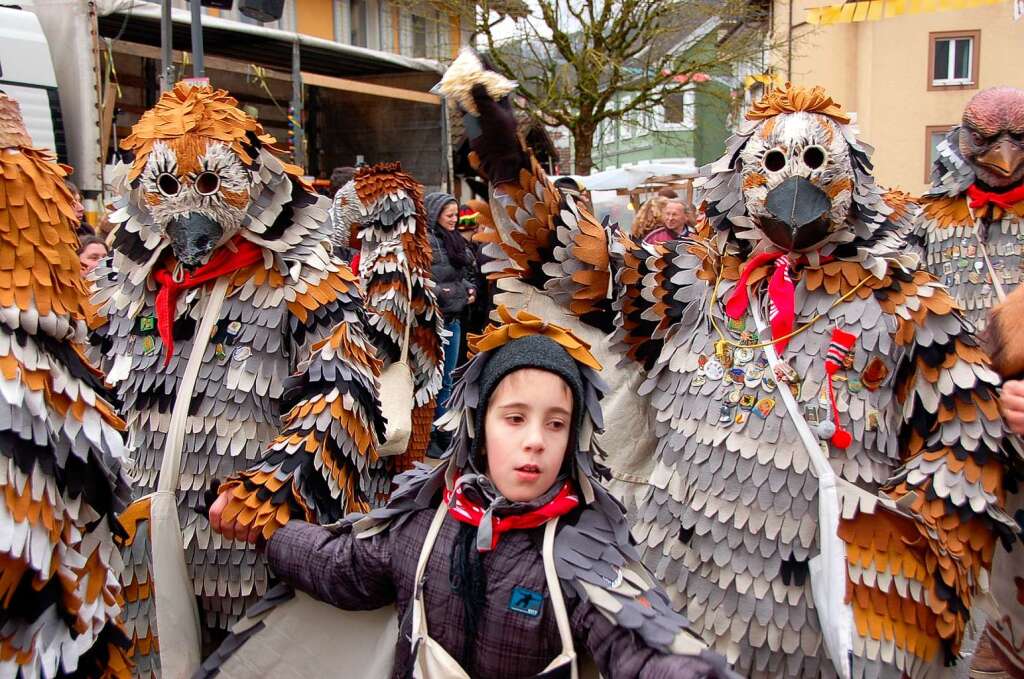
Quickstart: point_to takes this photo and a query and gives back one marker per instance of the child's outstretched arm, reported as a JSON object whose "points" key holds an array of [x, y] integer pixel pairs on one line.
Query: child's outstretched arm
{"points": [[617, 610], [332, 565], [621, 652]]}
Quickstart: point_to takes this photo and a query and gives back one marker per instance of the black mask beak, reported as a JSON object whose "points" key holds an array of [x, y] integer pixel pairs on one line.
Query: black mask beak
{"points": [[193, 237], [799, 212]]}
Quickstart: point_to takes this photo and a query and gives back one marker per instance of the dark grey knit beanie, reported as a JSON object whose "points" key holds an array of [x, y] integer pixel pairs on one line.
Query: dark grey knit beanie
{"points": [[538, 352]]}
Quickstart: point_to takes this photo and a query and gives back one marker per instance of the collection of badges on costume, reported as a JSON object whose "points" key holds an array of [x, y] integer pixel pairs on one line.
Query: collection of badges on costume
{"points": [[729, 517], [60, 438], [953, 253]]}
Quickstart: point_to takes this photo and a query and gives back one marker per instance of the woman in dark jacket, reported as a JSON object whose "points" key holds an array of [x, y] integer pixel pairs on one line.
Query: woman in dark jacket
{"points": [[453, 264]]}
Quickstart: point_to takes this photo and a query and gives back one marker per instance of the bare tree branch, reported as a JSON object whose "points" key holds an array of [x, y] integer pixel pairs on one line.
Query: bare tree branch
{"points": [[580, 63]]}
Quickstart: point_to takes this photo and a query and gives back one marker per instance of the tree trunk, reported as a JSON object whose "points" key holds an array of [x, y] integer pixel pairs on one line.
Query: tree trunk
{"points": [[583, 143]]}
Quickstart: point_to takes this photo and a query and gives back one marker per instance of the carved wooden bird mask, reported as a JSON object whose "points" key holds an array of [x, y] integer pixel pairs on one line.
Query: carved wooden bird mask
{"points": [[991, 137], [796, 177]]}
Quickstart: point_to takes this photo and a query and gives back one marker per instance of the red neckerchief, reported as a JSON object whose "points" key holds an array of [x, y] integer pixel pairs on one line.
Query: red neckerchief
{"points": [[781, 293], [223, 262], [465, 510], [1006, 200]]}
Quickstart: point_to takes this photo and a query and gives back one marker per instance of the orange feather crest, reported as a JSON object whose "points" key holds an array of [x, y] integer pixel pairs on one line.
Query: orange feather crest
{"points": [[524, 324], [193, 111], [790, 99]]}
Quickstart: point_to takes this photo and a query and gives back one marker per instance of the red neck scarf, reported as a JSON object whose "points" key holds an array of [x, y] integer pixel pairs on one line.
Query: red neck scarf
{"points": [[781, 293], [465, 510], [1006, 200], [223, 262]]}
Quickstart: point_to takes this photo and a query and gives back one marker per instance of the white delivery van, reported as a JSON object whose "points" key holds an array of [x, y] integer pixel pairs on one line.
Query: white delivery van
{"points": [[27, 75]]}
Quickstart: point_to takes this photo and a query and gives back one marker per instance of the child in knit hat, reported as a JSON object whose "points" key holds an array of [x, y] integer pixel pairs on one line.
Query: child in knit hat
{"points": [[523, 560]]}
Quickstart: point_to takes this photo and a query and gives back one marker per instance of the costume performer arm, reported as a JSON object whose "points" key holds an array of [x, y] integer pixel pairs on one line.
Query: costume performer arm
{"points": [[324, 462], [915, 568], [621, 652], [530, 229]]}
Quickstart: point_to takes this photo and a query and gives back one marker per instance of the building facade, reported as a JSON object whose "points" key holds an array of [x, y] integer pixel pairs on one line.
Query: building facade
{"points": [[417, 30], [907, 77], [687, 128]]}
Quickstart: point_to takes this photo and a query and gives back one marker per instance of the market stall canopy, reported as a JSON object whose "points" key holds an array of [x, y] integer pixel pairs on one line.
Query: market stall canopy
{"points": [[630, 178]]}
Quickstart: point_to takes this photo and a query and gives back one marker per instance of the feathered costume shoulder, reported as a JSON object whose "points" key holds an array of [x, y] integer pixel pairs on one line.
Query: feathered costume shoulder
{"points": [[883, 370], [61, 484]]}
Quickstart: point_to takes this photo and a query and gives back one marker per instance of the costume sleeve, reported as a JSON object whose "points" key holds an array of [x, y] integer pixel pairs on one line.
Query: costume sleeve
{"points": [[617, 610], [918, 556], [324, 462], [532, 231], [620, 652], [660, 287], [332, 565]]}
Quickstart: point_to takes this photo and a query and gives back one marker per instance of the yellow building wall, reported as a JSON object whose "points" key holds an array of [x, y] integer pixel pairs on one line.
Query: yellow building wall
{"points": [[315, 17], [879, 69]]}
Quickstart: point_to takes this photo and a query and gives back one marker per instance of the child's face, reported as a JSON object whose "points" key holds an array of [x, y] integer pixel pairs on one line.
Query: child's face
{"points": [[527, 427]]}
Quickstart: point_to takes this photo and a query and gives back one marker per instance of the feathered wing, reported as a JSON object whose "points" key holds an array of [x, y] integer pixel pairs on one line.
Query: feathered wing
{"points": [[914, 568], [60, 441], [324, 463], [662, 287], [533, 232]]}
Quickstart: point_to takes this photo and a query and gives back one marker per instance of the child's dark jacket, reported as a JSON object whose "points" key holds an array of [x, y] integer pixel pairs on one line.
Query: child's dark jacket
{"points": [[367, 573]]}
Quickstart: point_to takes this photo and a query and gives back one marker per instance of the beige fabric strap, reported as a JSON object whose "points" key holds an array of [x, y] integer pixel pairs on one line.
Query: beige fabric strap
{"points": [[419, 614], [557, 601], [828, 568], [170, 466], [177, 616], [412, 314]]}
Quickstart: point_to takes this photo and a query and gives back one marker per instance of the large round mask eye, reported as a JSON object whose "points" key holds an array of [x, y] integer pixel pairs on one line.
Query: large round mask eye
{"points": [[207, 183], [168, 184], [774, 160], [814, 157]]}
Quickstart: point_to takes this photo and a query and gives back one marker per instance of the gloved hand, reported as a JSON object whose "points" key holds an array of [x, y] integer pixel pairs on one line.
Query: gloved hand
{"points": [[494, 137], [209, 497]]}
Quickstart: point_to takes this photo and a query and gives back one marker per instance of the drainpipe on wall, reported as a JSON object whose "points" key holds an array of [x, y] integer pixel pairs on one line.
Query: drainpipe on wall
{"points": [[298, 138], [789, 44], [166, 64]]}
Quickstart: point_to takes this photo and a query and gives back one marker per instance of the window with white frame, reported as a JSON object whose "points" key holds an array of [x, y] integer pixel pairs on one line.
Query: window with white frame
{"points": [[389, 17], [340, 12], [676, 111], [358, 23], [419, 36], [954, 59], [626, 126]]}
